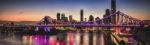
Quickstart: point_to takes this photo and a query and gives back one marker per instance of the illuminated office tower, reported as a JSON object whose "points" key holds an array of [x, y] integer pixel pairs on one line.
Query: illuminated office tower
{"points": [[81, 15], [58, 16]]}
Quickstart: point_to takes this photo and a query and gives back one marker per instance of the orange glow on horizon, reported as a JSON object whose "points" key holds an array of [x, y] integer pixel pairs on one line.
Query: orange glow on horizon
{"points": [[37, 15]]}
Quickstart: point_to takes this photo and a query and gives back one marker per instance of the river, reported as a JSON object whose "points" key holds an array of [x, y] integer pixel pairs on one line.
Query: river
{"points": [[69, 38]]}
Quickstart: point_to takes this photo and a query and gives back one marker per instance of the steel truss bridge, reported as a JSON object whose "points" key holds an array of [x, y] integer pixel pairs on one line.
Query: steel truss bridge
{"points": [[121, 20]]}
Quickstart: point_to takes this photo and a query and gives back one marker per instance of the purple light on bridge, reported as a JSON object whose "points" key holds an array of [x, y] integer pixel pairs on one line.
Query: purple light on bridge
{"points": [[37, 28], [47, 29]]}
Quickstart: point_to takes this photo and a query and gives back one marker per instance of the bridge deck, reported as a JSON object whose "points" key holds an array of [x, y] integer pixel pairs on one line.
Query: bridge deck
{"points": [[87, 25]]}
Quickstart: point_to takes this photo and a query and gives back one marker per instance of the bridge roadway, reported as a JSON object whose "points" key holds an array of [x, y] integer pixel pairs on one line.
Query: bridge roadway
{"points": [[87, 25]]}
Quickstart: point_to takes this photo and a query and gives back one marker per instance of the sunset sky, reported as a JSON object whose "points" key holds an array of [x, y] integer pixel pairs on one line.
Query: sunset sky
{"points": [[35, 10]]}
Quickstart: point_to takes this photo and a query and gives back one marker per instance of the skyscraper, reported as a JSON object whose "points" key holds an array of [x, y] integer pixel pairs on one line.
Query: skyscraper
{"points": [[70, 18], [113, 10], [91, 18], [107, 12], [113, 5], [108, 19], [58, 16], [98, 20], [66, 19], [81, 15], [63, 16]]}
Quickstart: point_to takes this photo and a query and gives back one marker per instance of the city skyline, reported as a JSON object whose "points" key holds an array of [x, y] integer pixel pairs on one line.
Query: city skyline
{"points": [[74, 22], [36, 10]]}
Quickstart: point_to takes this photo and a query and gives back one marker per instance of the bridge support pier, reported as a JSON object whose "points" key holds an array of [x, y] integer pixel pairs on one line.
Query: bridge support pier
{"points": [[46, 29], [37, 29]]}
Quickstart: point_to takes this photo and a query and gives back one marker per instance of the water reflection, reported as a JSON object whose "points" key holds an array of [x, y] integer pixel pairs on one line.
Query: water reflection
{"points": [[70, 38]]}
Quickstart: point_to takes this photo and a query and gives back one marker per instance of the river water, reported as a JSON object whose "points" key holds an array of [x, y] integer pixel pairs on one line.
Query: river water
{"points": [[69, 38]]}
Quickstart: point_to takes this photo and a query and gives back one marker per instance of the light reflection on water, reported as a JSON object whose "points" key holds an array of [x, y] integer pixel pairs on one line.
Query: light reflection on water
{"points": [[70, 38]]}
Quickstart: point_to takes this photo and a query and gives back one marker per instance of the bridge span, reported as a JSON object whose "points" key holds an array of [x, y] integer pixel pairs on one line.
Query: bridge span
{"points": [[87, 25]]}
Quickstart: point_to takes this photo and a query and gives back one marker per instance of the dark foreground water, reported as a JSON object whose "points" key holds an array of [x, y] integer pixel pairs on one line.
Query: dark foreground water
{"points": [[70, 38]]}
